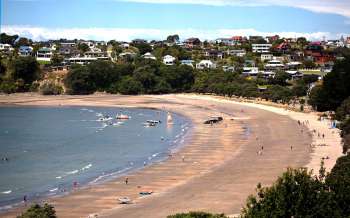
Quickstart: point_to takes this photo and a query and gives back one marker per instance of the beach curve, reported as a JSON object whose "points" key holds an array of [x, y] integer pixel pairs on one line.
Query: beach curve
{"points": [[221, 165]]}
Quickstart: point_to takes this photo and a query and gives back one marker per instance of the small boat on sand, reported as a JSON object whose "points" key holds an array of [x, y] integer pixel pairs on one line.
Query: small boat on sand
{"points": [[124, 200]]}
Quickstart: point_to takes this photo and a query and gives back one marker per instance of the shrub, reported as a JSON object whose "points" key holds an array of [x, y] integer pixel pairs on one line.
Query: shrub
{"points": [[37, 211], [50, 88], [197, 215]]}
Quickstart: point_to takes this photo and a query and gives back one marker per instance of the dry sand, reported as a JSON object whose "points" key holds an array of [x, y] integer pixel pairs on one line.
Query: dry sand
{"points": [[222, 163]]}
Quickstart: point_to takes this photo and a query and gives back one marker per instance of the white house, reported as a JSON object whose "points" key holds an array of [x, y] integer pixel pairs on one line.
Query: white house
{"points": [[148, 55], [5, 47], [250, 71], [274, 64], [206, 64], [44, 54], [227, 68], [125, 45], [294, 74], [266, 57], [236, 52], [261, 48], [169, 60], [85, 60], [25, 51]]}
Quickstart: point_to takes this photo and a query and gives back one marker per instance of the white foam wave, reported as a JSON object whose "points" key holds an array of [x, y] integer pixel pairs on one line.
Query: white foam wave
{"points": [[53, 190], [7, 192], [86, 167]]}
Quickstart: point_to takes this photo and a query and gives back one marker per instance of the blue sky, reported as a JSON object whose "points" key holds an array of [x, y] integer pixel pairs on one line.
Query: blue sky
{"points": [[154, 19]]}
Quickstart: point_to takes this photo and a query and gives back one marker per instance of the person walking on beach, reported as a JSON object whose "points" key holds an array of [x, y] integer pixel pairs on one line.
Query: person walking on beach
{"points": [[126, 180], [25, 200], [183, 158], [291, 148]]}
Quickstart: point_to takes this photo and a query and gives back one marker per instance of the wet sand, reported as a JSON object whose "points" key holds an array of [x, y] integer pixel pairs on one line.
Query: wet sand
{"points": [[221, 165]]}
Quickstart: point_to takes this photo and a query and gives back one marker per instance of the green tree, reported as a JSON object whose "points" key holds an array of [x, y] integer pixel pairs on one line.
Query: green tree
{"points": [[299, 89], [335, 87], [173, 38], [37, 211], [129, 86], [83, 47], [343, 111], [280, 78], [57, 59], [197, 215], [8, 39], [79, 81], [339, 183], [295, 194], [24, 68], [103, 74], [277, 92], [143, 47], [22, 41]]}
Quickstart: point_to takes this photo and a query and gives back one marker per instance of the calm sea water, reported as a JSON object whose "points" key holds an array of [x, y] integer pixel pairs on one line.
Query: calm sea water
{"points": [[45, 150]]}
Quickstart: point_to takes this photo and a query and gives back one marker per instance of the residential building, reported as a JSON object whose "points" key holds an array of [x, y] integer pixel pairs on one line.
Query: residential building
{"points": [[95, 54], [283, 47], [266, 57], [139, 41], [261, 48], [44, 54], [187, 62], [125, 45], [206, 64], [85, 60], [5, 47], [250, 71], [127, 54], [238, 39], [294, 74], [347, 42], [169, 60], [25, 51], [148, 55], [271, 39], [192, 42], [68, 49], [227, 68], [214, 54], [236, 52], [293, 65], [274, 65]]}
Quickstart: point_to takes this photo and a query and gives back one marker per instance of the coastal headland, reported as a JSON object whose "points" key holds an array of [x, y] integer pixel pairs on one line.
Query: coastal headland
{"points": [[219, 165]]}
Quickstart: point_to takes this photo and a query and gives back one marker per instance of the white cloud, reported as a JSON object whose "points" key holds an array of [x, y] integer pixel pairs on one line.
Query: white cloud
{"points": [[341, 7], [124, 34]]}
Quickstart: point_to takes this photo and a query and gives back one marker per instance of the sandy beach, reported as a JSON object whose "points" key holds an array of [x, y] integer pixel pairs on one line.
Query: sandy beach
{"points": [[218, 166]]}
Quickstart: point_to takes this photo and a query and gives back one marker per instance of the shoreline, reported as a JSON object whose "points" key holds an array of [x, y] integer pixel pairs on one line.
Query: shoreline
{"points": [[332, 138], [225, 157], [44, 196]]}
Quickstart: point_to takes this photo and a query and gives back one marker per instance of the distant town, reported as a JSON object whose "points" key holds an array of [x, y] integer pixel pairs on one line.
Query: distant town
{"points": [[251, 55]]}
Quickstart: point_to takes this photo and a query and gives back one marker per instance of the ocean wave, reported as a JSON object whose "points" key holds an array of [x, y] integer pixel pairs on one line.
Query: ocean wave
{"points": [[72, 172], [99, 178], [53, 190], [7, 192], [86, 167]]}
